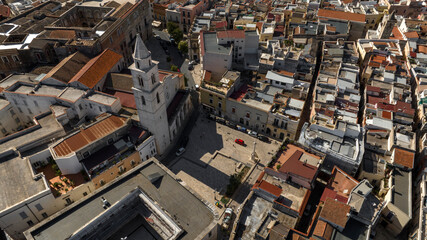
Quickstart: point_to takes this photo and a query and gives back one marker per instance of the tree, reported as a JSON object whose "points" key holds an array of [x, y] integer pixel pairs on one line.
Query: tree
{"points": [[174, 31], [183, 46]]}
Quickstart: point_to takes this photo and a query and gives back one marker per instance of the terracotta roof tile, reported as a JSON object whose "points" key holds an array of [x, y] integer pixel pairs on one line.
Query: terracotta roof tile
{"points": [[4, 11], [68, 67], [97, 68], [422, 49], [231, 34], [335, 212], [62, 34], [268, 187], [354, 17], [404, 158], [323, 230], [341, 182], [411, 34], [329, 193], [295, 166], [88, 135], [397, 34]]}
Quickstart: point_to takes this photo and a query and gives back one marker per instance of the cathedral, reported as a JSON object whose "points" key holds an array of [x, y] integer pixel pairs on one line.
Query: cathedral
{"points": [[163, 104]]}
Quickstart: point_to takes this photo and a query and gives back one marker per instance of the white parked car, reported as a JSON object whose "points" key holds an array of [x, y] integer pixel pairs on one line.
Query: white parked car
{"points": [[180, 152], [253, 133]]}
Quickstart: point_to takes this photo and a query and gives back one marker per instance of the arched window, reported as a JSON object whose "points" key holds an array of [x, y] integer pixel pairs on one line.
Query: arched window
{"points": [[158, 98], [141, 82], [153, 79], [143, 100]]}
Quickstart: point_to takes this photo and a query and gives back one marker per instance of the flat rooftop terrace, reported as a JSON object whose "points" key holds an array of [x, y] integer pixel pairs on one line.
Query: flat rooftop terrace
{"points": [[49, 128], [166, 191], [16, 181]]}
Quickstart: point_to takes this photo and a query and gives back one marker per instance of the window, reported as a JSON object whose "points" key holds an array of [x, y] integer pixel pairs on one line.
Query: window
{"points": [[68, 200], [132, 162], [5, 59], [44, 215], [143, 100], [25, 103], [15, 58], [248, 115], [84, 194], [80, 107], [153, 78], [141, 82], [12, 112], [137, 65], [30, 223], [90, 105], [19, 109], [211, 101], [29, 111], [219, 105], [257, 118], [36, 104], [39, 207], [158, 98], [23, 215], [100, 109], [233, 110]]}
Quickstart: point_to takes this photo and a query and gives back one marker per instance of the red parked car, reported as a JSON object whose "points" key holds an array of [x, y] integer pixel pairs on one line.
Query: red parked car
{"points": [[239, 141]]}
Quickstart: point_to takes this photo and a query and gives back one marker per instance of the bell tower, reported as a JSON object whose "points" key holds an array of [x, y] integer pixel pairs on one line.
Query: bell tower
{"points": [[149, 95]]}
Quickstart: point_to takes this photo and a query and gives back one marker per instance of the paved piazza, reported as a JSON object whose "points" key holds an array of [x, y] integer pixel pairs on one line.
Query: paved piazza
{"points": [[211, 157]]}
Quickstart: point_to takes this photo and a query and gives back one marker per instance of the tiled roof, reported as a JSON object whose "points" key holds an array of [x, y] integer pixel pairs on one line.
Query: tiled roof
{"points": [[323, 230], [126, 99], [354, 17], [341, 182], [268, 187], [89, 135], [62, 34], [386, 114], [373, 89], [397, 34], [329, 193], [4, 11], [422, 49], [231, 34], [97, 68], [295, 166], [68, 67], [335, 212], [411, 34], [404, 158]]}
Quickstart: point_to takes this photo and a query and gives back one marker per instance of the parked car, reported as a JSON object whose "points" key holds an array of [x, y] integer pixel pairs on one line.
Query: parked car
{"points": [[220, 120], [197, 87], [263, 138], [172, 40], [239, 141], [227, 218], [193, 62], [253, 133], [180, 152], [231, 125], [242, 129]]}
